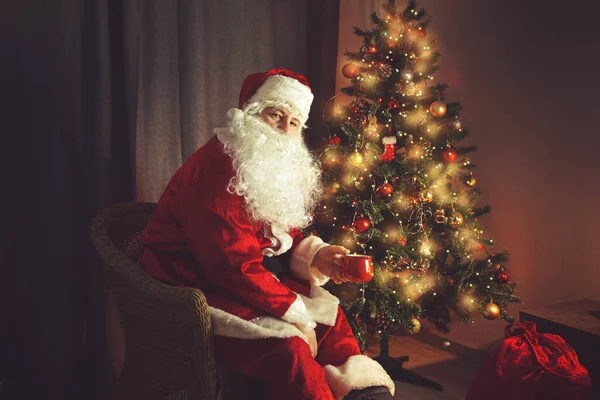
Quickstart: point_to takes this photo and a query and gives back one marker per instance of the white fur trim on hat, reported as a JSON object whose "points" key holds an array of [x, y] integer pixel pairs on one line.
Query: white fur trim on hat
{"points": [[284, 89]]}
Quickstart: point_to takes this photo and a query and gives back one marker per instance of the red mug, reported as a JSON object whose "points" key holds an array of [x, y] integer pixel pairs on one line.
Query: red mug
{"points": [[357, 268]]}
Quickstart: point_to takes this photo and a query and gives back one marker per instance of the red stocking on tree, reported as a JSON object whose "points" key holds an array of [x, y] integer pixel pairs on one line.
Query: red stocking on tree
{"points": [[388, 153]]}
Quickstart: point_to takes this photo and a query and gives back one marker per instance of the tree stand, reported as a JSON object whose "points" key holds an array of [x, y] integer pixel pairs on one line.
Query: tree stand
{"points": [[394, 367]]}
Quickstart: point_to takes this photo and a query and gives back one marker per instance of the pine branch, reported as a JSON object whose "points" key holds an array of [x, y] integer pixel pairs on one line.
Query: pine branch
{"points": [[479, 211], [361, 33], [376, 20], [466, 150]]}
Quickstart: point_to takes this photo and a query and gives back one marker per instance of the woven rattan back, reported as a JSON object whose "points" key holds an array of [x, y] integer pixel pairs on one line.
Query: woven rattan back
{"points": [[168, 338]]}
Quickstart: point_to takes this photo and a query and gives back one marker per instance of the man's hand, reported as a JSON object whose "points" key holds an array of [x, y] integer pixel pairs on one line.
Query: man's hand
{"points": [[312, 342], [328, 261]]}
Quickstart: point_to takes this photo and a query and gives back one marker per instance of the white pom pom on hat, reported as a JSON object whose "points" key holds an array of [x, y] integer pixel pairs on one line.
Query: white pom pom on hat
{"points": [[235, 114]]}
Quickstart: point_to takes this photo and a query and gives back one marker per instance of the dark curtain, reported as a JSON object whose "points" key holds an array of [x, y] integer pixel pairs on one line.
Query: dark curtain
{"points": [[321, 63], [75, 101], [63, 75], [188, 60]]}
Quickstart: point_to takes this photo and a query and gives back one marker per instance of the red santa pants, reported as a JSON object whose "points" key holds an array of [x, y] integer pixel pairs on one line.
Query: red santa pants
{"points": [[285, 365]]}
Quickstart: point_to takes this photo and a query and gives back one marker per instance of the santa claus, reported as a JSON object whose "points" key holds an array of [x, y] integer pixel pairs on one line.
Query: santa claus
{"points": [[228, 223]]}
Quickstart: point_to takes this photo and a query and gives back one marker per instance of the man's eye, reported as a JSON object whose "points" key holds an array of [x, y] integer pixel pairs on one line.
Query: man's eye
{"points": [[294, 124]]}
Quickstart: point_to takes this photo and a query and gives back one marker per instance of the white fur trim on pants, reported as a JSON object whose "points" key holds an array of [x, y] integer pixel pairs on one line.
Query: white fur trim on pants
{"points": [[302, 259], [358, 372]]}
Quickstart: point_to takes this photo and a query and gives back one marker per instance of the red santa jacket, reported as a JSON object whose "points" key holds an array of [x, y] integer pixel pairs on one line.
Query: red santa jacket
{"points": [[200, 236]]}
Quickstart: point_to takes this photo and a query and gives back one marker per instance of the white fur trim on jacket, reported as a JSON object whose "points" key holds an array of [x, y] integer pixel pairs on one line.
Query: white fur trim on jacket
{"points": [[229, 325], [281, 241], [302, 259], [298, 315], [284, 89], [322, 307], [358, 372]]}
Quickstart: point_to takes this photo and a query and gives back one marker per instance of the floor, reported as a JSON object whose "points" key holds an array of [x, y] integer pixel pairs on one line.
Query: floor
{"points": [[453, 369]]}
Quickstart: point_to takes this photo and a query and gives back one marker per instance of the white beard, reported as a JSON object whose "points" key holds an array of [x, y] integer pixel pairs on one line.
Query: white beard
{"points": [[276, 174]]}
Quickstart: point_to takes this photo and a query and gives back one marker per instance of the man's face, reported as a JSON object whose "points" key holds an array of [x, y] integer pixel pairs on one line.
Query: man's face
{"points": [[282, 119]]}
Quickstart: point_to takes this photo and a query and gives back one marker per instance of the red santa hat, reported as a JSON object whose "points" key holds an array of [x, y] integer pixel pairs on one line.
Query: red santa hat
{"points": [[280, 86]]}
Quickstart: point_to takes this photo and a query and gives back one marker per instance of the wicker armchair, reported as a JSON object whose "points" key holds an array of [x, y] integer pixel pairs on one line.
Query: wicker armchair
{"points": [[167, 330]]}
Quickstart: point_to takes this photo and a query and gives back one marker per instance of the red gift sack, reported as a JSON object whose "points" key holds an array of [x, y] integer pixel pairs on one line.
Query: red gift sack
{"points": [[531, 366]]}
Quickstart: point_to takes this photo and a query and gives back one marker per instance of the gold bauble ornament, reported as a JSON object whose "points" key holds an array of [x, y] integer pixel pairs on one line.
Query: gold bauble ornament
{"points": [[356, 159], [455, 219], [492, 311], [471, 181], [438, 109], [426, 196], [334, 187], [416, 325], [350, 71]]}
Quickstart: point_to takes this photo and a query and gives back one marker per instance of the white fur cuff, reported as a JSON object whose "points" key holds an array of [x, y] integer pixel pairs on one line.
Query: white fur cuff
{"points": [[298, 315], [322, 305], [358, 372], [302, 259]]}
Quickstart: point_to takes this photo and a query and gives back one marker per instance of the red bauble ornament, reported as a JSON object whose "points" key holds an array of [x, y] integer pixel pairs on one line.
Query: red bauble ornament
{"points": [[422, 32], [402, 240], [335, 140], [350, 71], [501, 277], [385, 190], [393, 104], [449, 155], [361, 224]]}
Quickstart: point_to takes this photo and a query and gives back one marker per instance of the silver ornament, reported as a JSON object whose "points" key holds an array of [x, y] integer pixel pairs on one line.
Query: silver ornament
{"points": [[407, 74], [456, 124], [410, 88]]}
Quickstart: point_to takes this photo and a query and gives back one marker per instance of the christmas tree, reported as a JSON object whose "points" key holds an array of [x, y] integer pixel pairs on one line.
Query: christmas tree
{"points": [[400, 189]]}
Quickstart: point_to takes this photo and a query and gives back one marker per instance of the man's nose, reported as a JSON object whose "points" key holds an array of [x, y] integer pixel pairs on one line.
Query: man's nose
{"points": [[285, 126]]}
